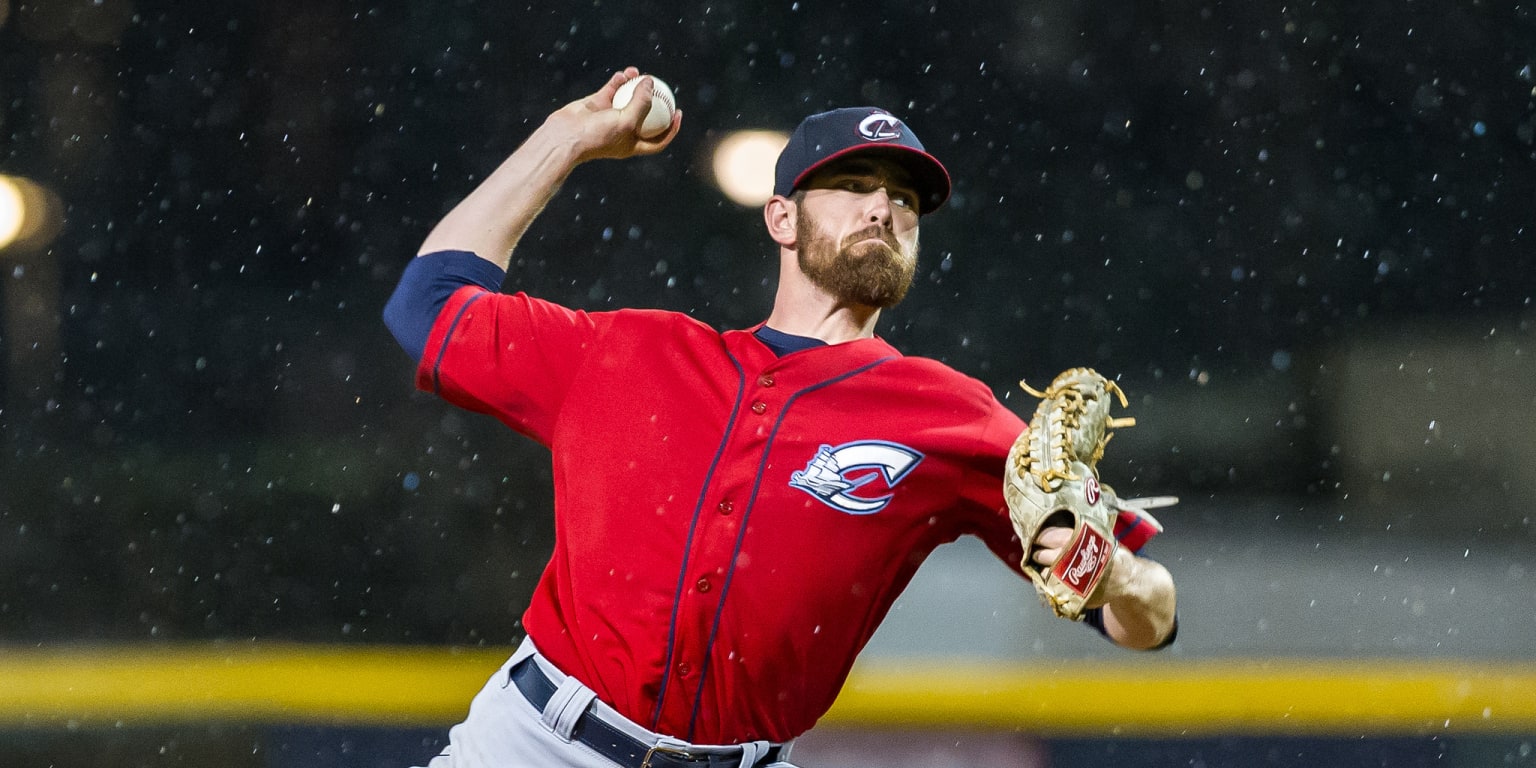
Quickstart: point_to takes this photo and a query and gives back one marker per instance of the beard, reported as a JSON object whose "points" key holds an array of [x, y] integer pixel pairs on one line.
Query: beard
{"points": [[855, 271]]}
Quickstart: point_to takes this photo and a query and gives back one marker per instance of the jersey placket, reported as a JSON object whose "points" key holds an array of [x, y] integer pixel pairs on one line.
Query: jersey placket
{"points": [[715, 547]]}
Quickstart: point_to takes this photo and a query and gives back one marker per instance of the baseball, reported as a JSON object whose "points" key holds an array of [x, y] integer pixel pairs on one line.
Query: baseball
{"points": [[659, 119]]}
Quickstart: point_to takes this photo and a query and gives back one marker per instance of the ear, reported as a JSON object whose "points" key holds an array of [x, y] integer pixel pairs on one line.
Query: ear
{"points": [[780, 215]]}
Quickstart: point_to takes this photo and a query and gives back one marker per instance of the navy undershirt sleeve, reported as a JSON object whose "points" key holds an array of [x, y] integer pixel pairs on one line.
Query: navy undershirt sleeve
{"points": [[424, 288]]}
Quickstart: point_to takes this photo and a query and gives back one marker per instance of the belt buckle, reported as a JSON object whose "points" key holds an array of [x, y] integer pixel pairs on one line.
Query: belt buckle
{"points": [[665, 750]]}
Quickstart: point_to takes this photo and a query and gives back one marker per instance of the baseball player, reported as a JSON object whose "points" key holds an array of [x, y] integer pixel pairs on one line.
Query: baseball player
{"points": [[735, 512]]}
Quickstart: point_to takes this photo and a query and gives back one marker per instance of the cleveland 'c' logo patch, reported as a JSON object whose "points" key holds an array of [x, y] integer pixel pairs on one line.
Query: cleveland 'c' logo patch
{"points": [[834, 474], [880, 127]]}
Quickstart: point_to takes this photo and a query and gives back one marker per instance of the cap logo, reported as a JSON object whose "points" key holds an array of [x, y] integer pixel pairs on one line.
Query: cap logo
{"points": [[880, 127]]}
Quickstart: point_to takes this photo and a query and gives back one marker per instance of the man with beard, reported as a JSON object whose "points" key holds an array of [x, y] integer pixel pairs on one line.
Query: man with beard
{"points": [[734, 512]]}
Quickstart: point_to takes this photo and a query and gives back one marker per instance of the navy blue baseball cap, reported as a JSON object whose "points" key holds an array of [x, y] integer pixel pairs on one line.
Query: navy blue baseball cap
{"points": [[827, 136]]}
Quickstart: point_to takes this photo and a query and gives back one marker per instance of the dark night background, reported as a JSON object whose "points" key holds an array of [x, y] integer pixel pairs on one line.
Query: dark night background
{"points": [[212, 435]]}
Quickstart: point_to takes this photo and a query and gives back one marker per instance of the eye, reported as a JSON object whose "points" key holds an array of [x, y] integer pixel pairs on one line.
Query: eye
{"points": [[903, 197]]}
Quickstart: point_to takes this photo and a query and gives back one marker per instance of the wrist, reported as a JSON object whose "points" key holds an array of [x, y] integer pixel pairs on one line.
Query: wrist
{"points": [[556, 146], [1125, 573], [1140, 602]]}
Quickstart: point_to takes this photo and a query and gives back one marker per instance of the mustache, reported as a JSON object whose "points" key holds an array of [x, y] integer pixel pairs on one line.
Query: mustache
{"points": [[875, 231]]}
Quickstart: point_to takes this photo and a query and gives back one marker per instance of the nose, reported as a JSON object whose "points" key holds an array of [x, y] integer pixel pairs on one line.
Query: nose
{"points": [[878, 206]]}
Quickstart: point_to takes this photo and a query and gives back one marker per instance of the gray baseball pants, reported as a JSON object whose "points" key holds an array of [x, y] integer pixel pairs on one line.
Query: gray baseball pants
{"points": [[504, 730]]}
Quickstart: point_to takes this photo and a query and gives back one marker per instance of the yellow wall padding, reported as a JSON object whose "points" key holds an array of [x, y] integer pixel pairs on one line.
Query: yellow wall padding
{"points": [[430, 686], [1200, 698]]}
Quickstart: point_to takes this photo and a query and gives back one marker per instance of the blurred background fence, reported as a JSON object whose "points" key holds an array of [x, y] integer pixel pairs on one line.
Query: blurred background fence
{"points": [[231, 534]]}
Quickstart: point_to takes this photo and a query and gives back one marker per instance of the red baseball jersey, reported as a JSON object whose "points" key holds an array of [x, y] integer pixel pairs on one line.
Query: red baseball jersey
{"points": [[731, 525]]}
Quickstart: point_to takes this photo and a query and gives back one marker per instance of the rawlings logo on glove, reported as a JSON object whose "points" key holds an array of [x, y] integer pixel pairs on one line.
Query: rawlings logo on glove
{"points": [[1052, 479], [1086, 562]]}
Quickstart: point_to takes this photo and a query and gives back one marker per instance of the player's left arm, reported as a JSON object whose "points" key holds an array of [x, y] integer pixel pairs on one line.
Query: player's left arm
{"points": [[1136, 604], [1138, 599]]}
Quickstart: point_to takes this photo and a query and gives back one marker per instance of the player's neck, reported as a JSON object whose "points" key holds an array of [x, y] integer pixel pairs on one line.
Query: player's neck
{"points": [[802, 309]]}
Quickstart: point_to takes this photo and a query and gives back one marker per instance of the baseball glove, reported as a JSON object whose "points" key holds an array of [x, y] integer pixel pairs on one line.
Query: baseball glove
{"points": [[1052, 479]]}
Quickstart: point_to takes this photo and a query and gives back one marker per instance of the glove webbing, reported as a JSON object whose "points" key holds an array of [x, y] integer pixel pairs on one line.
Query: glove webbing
{"points": [[1053, 444]]}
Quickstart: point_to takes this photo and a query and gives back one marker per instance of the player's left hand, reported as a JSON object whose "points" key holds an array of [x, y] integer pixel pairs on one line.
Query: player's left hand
{"points": [[1054, 539]]}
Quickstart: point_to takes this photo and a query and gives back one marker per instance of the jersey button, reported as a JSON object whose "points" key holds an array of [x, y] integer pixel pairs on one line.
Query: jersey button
{"points": [[682, 669], [726, 507], [759, 407], [703, 585], [765, 380]]}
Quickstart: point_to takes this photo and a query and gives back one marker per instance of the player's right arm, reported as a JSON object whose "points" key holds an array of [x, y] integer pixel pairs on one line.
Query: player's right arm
{"points": [[472, 244], [491, 220]]}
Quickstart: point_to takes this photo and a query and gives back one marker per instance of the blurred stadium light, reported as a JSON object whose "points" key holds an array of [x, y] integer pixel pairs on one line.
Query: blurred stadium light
{"points": [[743, 165], [30, 218], [30, 215], [12, 209]]}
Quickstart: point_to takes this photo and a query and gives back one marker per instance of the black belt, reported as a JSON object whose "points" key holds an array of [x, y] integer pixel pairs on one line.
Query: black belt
{"points": [[612, 743]]}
